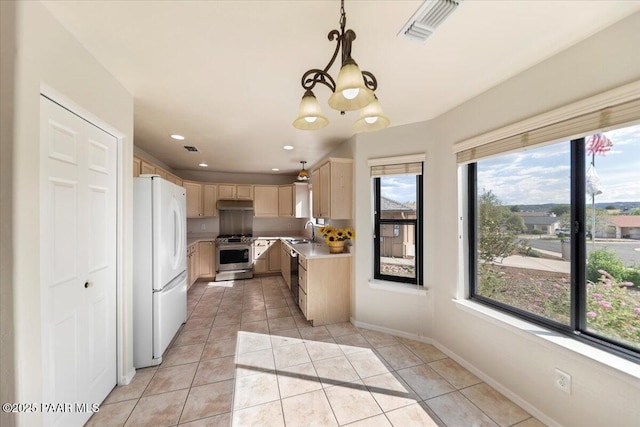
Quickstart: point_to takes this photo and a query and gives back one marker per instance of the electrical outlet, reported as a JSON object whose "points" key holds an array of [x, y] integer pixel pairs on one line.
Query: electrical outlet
{"points": [[563, 381], [203, 226]]}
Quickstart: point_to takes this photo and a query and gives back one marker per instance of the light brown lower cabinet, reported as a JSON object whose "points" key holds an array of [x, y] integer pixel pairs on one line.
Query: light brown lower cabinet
{"points": [[274, 257], [325, 289], [206, 260], [285, 264], [201, 262], [193, 264], [266, 256]]}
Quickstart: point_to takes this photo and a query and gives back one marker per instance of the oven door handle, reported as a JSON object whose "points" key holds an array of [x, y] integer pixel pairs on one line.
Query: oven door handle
{"points": [[233, 246]]}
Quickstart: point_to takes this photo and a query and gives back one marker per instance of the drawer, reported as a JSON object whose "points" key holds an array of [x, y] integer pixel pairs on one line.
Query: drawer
{"points": [[302, 302], [302, 261], [302, 279]]}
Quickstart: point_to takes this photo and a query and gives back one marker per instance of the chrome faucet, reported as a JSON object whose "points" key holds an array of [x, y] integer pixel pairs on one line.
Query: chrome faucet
{"points": [[313, 231]]}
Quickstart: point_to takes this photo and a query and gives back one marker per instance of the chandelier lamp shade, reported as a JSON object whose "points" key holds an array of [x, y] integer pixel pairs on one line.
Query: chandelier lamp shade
{"points": [[310, 117], [303, 175], [353, 90], [371, 118]]}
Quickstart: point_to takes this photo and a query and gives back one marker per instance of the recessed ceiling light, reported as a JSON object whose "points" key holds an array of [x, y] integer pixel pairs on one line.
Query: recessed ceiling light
{"points": [[178, 137], [288, 147], [203, 165], [275, 169]]}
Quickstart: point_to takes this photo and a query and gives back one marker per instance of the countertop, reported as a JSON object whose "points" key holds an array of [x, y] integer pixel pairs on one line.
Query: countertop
{"points": [[315, 250], [308, 250], [193, 238]]}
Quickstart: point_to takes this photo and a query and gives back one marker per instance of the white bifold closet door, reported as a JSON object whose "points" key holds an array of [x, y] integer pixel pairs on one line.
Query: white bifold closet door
{"points": [[78, 212]]}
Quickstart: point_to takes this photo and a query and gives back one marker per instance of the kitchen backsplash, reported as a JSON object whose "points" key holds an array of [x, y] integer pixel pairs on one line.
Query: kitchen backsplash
{"points": [[260, 225]]}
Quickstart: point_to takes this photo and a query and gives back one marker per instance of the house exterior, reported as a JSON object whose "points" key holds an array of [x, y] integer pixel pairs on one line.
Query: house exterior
{"points": [[540, 222], [397, 240], [622, 227], [517, 361]]}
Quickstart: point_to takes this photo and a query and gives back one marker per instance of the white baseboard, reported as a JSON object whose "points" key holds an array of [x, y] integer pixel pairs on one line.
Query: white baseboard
{"points": [[126, 378], [535, 412], [397, 333]]}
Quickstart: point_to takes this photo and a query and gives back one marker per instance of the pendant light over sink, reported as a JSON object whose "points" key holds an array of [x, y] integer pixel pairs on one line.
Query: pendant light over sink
{"points": [[353, 90], [303, 175]]}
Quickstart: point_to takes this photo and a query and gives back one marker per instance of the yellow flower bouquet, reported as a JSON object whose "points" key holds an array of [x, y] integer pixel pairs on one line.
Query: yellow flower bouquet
{"points": [[331, 234]]}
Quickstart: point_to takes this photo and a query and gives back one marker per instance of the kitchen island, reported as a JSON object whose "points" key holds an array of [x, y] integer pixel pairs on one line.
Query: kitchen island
{"points": [[324, 283]]}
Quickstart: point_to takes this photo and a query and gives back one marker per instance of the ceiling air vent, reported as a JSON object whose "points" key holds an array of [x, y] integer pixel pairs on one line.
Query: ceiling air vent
{"points": [[191, 148], [427, 18]]}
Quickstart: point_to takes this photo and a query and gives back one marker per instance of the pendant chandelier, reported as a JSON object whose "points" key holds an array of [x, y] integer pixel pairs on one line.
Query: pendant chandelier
{"points": [[353, 90], [303, 175]]}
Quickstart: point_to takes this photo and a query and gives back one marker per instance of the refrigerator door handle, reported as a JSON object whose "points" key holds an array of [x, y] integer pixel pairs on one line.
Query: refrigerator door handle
{"points": [[169, 312], [177, 281]]}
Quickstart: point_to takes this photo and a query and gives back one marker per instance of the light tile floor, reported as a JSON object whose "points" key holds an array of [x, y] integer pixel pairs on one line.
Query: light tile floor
{"points": [[247, 357]]}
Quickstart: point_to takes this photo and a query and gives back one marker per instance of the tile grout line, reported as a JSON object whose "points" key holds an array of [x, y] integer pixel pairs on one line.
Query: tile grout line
{"points": [[278, 290]]}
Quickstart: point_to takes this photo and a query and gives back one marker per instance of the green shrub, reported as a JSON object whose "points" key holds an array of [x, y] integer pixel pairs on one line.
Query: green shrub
{"points": [[604, 259], [632, 274], [613, 310]]}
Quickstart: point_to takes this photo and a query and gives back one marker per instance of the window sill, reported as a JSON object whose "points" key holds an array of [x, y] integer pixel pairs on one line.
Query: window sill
{"points": [[401, 288], [624, 369]]}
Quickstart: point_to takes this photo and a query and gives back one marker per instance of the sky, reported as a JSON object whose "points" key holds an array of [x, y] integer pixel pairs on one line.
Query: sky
{"points": [[401, 189], [541, 175]]}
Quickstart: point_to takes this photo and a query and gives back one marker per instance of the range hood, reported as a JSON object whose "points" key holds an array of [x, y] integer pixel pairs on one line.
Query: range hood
{"points": [[235, 205]]}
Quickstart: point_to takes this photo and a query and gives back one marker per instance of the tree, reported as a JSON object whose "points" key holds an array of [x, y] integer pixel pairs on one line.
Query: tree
{"points": [[635, 211], [515, 208], [601, 220], [559, 210], [498, 228]]}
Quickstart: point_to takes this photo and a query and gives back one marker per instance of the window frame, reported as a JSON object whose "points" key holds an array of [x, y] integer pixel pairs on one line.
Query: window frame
{"points": [[577, 327], [418, 227]]}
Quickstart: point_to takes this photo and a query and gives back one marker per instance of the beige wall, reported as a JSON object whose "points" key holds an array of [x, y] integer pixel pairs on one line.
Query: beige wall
{"points": [[402, 312], [519, 363], [46, 54]]}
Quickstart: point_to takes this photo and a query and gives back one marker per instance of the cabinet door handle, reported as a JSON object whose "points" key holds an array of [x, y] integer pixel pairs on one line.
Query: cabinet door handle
{"points": [[88, 284]]}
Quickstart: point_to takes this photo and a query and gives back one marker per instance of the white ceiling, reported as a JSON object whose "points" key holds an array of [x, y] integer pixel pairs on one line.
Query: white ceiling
{"points": [[226, 74]]}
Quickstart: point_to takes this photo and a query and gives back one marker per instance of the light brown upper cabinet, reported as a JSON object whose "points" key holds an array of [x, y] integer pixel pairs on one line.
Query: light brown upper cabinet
{"points": [[161, 172], [293, 200], [201, 199], [315, 183], [136, 166], [141, 166], [265, 200], [147, 168], [194, 199], [333, 189], [235, 191], [209, 199], [173, 178]]}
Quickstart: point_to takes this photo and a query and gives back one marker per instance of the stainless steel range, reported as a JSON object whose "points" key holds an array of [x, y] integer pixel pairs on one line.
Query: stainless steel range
{"points": [[234, 246]]}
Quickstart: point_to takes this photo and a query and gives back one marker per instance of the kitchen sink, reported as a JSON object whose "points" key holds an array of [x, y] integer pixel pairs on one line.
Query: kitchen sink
{"points": [[298, 241]]}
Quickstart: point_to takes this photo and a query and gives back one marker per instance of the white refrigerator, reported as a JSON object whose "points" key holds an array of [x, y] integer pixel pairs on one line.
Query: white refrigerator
{"points": [[159, 267]]}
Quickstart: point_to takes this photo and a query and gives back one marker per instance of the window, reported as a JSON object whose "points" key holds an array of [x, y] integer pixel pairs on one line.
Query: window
{"points": [[398, 222], [550, 228]]}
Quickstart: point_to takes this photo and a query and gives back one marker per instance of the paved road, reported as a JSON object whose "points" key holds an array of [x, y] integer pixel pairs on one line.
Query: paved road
{"points": [[628, 252]]}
